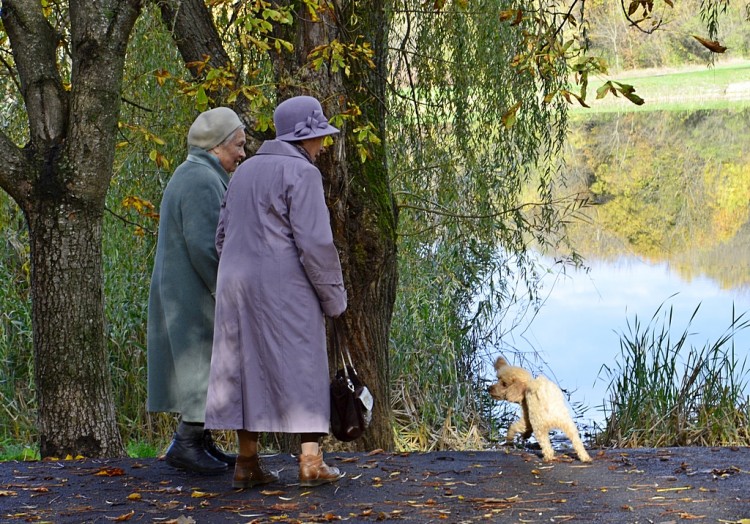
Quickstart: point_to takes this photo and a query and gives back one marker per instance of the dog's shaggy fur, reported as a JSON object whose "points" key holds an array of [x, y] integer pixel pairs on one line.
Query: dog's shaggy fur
{"points": [[543, 408]]}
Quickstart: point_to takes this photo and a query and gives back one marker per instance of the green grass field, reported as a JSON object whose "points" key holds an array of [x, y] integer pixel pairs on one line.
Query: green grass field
{"points": [[725, 85]]}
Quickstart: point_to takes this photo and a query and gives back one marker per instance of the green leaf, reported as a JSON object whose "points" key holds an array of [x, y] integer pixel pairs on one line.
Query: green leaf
{"points": [[201, 99], [607, 87], [637, 100]]}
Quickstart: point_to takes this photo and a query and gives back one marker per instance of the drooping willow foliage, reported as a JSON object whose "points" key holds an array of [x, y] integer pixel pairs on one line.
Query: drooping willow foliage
{"points": [[476, 121]]}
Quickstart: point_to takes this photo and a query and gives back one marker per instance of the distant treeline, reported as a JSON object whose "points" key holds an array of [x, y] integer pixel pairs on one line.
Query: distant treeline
{"points": [[624, 47]]}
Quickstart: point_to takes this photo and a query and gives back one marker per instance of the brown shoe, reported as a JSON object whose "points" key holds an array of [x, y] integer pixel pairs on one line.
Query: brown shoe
{"points": [[249, 472], [314, 472]]}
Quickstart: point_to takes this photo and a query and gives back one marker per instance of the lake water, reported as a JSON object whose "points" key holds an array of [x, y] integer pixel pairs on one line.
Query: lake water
{"points": [[578, 328], [669, 226]]}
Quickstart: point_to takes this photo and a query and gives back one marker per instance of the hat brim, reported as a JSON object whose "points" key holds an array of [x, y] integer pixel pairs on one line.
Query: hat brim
{"points": [[291, 137]]}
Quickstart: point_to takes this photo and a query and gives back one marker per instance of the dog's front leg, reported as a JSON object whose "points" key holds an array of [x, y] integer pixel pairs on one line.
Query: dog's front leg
{"points": [[521, 426], [517, 427]]}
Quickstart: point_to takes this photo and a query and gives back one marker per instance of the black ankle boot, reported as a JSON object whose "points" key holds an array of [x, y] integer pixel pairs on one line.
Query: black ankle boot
{"points": [[187, 452], [215, 452]]}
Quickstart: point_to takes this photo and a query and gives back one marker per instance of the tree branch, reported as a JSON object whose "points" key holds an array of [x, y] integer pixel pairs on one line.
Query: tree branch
{"points": [[129, 222], [196, 37], [14, 171], [441, 211], [34, 44]]}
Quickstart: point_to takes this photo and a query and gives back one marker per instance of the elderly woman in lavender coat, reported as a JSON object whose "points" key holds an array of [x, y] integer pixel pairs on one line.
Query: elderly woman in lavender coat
{"points": [[279, 276]]}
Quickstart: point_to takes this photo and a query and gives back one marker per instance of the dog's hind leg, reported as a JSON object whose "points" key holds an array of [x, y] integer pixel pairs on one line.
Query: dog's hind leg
{"points": [[571, 432]]}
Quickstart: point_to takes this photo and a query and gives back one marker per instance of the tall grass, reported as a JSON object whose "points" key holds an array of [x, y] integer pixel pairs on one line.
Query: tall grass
{"points": [[17, 398], [666, 392]]}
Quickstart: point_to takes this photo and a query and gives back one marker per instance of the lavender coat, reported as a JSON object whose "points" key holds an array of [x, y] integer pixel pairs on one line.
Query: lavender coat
{"points": [[279, 274]]}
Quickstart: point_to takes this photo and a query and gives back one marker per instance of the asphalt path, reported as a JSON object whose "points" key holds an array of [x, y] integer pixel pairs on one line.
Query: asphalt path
{"points": [[508, 485]]}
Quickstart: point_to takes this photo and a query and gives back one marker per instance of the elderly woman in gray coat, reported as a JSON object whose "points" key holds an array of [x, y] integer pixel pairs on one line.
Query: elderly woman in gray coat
{"points": [[181, 302], [279, 275]]}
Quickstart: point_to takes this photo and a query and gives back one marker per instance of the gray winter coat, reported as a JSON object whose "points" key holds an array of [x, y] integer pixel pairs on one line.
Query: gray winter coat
{"points": [[279, 274], [181, 302]]}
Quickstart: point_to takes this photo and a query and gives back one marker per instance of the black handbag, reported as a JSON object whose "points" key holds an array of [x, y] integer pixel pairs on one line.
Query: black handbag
{"points": [[351, 401]]}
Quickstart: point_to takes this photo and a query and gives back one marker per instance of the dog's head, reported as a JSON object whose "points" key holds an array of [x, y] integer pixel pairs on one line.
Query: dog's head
{"points": [[511, 382]]}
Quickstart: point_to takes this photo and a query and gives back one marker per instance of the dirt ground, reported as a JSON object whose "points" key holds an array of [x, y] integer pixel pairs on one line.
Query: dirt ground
{"points": [[508, 485]]}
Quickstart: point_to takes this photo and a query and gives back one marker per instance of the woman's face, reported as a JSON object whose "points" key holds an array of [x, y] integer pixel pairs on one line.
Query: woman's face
{"points": [[313, 146], [231, 151]]}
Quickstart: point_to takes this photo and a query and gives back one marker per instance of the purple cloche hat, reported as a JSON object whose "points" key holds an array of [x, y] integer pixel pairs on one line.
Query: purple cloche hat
{"points": [[300, 118]]}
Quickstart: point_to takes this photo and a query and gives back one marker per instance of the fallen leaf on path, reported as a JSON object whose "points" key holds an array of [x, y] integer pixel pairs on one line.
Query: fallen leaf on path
{"points": [[272, 493], [122, 518], [201, 494], [723, 473], [109, 472], [285, 506]]}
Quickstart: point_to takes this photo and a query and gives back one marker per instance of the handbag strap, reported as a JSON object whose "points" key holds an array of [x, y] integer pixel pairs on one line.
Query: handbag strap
{"points": [[340, 353]]}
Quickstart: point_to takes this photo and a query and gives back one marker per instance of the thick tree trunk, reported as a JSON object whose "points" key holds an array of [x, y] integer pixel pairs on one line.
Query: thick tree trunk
{"points": [[60, 180], [190, 22], [77, 415], [364, 217], [363, 214]]}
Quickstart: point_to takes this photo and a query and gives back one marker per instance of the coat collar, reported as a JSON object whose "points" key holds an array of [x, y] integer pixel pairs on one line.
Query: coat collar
{"points": [[196, 155], [279, 147]]}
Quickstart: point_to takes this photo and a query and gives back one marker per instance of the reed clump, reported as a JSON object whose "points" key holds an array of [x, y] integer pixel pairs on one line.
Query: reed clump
{"points": [[663, 391]]}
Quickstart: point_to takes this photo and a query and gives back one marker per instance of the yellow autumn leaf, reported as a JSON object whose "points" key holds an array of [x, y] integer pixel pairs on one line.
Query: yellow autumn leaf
{"points": [[509, 118], [123, 517], [201, 494], [110, 472]]}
